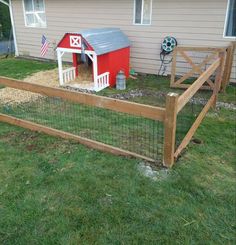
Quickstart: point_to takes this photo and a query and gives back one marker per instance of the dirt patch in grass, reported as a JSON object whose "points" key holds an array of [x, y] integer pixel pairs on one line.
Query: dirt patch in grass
{"points": [[8, 137], [26, 139], [31, 147]]}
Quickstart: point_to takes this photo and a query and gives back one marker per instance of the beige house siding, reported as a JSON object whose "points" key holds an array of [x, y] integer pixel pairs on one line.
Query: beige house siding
{"points": [[193, 23]]}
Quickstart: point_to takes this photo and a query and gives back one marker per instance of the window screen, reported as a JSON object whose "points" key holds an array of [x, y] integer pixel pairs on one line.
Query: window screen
{"points": [[230, 23], [34, 13], [143, 9]]}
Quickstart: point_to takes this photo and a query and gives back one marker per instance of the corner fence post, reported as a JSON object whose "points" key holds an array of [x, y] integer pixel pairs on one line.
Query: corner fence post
{"points": [[219, 77], [228, 65], [170, 129]]}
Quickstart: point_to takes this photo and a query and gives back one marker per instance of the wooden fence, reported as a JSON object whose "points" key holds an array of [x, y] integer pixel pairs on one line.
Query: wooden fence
{"points": [[199, 58], [230, 50], [180, 101], [129, 108], [167, 115]]}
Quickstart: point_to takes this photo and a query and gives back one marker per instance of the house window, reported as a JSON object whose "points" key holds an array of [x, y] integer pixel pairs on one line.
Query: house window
{"points": [[34, 13], [142, 12], [230, 20]]}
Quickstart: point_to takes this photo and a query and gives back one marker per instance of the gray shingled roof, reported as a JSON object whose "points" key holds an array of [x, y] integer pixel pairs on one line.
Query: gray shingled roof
{"points": [[105, 40]]}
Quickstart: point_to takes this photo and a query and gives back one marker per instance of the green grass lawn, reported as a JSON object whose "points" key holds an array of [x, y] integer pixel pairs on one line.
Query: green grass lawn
{"points": [[20, 68], [132, 133], [54, 191]]}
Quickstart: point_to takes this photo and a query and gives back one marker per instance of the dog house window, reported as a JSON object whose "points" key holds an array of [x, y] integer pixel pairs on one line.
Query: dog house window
{"points": [[142, 12], [230, 20], [34, 13]]}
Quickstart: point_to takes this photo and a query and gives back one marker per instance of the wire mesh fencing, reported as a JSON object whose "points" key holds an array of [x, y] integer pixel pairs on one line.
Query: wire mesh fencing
{"points": [[188, 115], [131, 133]]}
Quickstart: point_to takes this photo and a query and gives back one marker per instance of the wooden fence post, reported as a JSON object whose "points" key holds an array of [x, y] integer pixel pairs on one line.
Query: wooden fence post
{"points": [[219, 77], [173, 68], [228, 65], [170, 129]]}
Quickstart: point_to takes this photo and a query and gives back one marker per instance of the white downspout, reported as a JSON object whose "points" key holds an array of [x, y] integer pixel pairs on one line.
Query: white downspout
{"points": [[13, 28], [12, 24]]}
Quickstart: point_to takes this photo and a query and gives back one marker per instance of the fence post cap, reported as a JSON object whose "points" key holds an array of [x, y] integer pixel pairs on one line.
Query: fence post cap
{"points": [[172, 94]]}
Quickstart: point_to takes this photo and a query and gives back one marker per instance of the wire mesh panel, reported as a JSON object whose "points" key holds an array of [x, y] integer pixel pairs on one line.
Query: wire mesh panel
{"points": [[132, 133], [187, 116]]}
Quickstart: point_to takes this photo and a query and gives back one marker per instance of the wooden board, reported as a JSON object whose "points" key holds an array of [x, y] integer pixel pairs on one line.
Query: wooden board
{"points": [[58, 133], [170, 129], [194, 127], [219, 76], [185, 86], [152, 112], [201, 49], [189, 93], [173, 69], [228, 65], [195, 68]]}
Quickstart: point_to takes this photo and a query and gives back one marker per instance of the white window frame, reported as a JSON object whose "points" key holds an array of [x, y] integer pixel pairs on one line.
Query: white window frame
{"points": [[226, 22], [33, 12], [142, 24]]}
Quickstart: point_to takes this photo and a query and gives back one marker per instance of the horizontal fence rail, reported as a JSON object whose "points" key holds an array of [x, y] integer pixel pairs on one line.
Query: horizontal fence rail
{"points": [[189, 93], [194, 127], [151, 112]]}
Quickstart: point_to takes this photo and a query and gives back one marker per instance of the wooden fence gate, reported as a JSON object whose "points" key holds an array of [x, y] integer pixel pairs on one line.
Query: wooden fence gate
{"points": [[190, 62]]}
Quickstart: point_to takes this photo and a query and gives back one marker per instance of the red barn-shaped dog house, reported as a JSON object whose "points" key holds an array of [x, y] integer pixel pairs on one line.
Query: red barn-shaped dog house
{"points": [[107, 48]]}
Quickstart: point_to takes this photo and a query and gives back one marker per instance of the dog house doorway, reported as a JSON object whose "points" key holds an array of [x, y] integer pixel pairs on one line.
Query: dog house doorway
{"points": [[84, 72], [81, 74]]}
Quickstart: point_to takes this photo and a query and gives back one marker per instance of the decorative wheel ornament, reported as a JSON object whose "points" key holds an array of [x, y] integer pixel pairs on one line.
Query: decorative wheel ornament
{"points": [[169, 44]]}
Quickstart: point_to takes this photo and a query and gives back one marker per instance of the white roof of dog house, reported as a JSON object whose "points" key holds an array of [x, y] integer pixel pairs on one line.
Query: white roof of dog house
{"points": [[105, 40]]}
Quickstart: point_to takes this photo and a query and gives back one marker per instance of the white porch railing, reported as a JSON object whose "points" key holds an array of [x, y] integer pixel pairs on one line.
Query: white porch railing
{"points": [[102, 81], [68, 75]]}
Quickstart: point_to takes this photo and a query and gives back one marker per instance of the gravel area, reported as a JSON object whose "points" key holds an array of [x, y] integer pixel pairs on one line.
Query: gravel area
{"points": [[79, 90], [50, 78], [11, 96], [155, 175], [140, 93], [137, 93]]}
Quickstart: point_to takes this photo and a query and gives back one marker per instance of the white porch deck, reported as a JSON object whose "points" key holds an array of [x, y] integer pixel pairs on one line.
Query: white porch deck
{"points": [[69, 80], [68, 75]]}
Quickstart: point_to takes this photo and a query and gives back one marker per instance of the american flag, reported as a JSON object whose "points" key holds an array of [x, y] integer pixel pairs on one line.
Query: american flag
{"points": [[45, 46]]}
